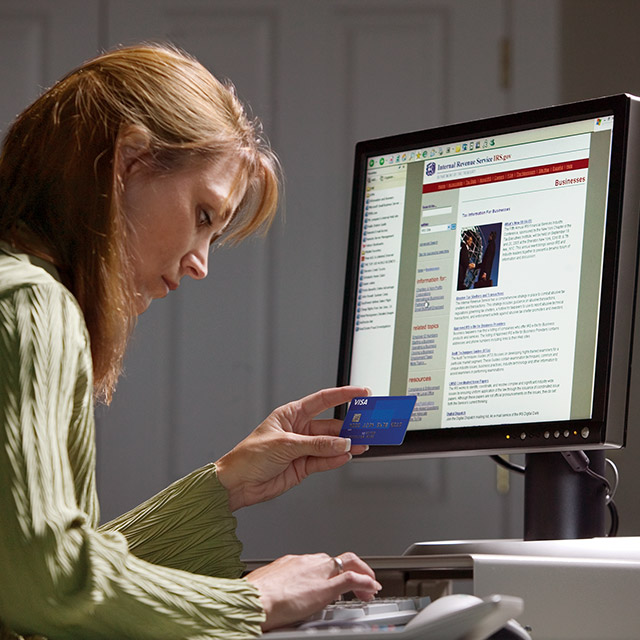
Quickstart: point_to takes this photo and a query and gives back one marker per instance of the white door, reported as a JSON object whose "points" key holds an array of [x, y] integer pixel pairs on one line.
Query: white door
{"points": [[207, 364], [264, 328]]}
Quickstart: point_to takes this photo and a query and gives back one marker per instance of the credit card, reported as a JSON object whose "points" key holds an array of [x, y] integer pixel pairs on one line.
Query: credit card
{"points": [[378, 420]]}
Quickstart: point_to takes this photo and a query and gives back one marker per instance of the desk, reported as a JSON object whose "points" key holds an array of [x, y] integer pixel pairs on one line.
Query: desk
{"points": [[572, 589]]}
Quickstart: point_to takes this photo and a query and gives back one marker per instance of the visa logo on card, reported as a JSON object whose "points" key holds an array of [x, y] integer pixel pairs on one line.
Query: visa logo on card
{"points": [[378, 420]]}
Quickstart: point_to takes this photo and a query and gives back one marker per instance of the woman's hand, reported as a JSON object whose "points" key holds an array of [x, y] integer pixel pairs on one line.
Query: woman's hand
{"points": [[294, 587], [287, 447]]}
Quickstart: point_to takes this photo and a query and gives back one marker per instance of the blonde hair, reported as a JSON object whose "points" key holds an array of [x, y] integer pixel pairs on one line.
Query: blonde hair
{"points": [[60, 196]]}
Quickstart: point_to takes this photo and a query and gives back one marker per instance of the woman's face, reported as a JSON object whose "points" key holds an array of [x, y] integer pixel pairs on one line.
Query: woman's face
{"points": [[174, 219]]}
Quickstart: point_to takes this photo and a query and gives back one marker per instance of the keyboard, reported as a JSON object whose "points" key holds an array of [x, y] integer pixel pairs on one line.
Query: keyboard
{"points": [[381, 612], [408, 619]]}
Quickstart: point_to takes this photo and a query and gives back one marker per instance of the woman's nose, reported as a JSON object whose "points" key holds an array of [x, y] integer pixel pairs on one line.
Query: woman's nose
{"points": [[196, 263]]}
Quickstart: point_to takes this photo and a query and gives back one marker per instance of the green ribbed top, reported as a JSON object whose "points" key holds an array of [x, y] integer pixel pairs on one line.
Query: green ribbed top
{"points": [[148, 574]]}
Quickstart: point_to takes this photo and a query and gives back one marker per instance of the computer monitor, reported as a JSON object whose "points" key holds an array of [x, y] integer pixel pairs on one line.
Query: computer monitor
{"points": [[491, 272]]}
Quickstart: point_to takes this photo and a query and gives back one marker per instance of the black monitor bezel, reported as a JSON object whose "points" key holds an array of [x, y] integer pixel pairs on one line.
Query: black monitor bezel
{"points": [[528, 437]]}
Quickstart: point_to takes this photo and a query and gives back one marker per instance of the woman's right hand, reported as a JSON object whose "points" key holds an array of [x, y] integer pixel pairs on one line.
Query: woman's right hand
{"points": [[294, 587]]}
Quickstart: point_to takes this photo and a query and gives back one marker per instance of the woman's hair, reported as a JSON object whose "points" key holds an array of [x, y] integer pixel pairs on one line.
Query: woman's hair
{"points": [[60, 197]]}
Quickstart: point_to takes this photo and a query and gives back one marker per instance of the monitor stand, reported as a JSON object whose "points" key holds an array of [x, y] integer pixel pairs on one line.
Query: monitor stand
{"points": [[560, 504]]}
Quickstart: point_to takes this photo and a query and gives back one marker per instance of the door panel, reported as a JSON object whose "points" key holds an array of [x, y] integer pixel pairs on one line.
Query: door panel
{"points": [[264, 328], [209, 362]]}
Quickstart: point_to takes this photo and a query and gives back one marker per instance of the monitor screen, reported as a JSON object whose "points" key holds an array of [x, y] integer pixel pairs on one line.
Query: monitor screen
{"points": [[492, 274]]}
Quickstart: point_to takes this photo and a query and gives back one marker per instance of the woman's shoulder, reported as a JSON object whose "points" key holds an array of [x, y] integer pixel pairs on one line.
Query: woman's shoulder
{"points": [[20, 270], [27, 280], [35, 307]]}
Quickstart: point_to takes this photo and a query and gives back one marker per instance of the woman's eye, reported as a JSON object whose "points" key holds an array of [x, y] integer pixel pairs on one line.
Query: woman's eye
{"points": [[204, 217]]}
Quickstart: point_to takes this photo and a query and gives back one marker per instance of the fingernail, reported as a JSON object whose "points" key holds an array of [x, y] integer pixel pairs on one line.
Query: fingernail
{"points": [[346, 443]]}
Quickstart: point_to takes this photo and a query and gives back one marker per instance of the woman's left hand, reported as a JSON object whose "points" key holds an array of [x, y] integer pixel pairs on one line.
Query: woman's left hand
{"points": [[286, 448], [294, 587]]}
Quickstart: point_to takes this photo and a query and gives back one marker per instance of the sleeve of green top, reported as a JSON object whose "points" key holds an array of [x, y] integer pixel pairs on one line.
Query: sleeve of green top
{"points": [[59, 576], [187, 526]]}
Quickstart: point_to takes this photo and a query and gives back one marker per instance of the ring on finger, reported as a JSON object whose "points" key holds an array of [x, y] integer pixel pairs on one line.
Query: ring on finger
{"points": [[339, 564]]}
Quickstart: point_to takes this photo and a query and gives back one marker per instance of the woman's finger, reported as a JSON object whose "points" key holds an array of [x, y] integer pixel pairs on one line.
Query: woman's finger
{"points": [[351, 562], [328, 427], [365, 587], [314, 404]]}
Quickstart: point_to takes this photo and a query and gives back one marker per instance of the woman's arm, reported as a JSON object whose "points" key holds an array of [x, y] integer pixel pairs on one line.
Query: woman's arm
{"points": [[68, 580], [60, 576], [187, 526]]}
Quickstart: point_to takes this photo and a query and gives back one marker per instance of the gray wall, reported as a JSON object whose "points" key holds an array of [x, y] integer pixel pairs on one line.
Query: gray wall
{"points": [[599, 48], [600, 56]]}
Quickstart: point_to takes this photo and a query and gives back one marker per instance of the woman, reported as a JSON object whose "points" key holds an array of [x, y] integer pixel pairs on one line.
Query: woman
{"points": [[113, 186]]}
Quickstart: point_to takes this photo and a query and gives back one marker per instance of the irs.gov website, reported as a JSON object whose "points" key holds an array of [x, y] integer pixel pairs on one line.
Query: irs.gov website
{"points": [[480, 278]]}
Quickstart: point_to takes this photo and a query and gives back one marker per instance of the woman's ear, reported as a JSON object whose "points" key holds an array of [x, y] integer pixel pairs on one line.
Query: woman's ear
{"points": [[132, 145]]}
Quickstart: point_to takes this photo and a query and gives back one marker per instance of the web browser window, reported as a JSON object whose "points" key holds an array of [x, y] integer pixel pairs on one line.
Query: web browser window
{"points": [[480, 273]]}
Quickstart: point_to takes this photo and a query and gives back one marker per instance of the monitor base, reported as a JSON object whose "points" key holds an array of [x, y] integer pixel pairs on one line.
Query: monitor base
{"points": [[603, 548]]}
